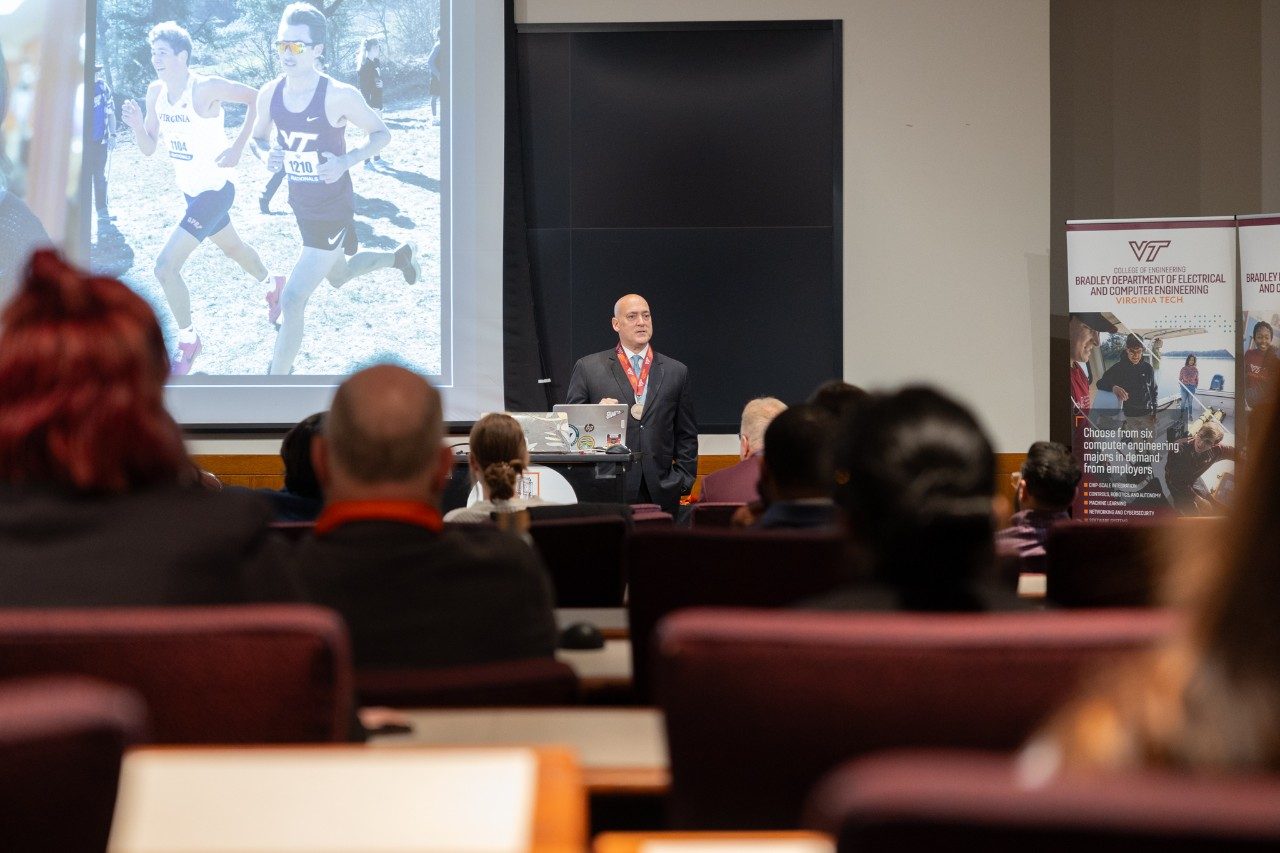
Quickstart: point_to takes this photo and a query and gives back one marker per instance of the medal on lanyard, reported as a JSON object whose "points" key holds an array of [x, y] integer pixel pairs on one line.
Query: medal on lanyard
{"points": [[638, 383]]}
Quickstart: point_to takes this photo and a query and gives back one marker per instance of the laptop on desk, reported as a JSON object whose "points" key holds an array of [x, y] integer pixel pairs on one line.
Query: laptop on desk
{"points": [[544, 432], [593, 426]]}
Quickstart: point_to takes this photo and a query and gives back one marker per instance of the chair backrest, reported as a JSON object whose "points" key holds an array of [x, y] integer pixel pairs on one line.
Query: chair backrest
{"points": [[584, 557], [1102, 565], [670, 568], [714, 513], [653, 518], [759, 705], [61, 742], [954, 801], [1116, 565], [547, 512], [240, 674], [518, 683]]}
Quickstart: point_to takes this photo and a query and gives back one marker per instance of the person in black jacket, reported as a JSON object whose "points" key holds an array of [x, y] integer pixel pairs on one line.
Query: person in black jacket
{"points": [[369, 79], [100, 505], [413, 593], [1133, 380], [657, 392]]}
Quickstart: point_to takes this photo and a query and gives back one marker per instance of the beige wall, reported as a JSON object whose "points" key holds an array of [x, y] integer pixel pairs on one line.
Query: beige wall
{"points": [[1160, 108], [946, 189]]}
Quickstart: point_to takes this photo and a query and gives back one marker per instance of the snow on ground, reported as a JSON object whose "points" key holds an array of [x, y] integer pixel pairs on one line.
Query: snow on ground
{"points": [[376, 317]]}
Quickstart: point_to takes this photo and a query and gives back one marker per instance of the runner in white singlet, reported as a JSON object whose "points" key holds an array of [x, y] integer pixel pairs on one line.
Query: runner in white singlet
{"points": [[184, 120]]}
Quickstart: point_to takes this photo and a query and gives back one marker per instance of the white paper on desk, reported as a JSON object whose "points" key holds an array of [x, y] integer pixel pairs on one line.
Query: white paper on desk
{"points": [[318, 800]]}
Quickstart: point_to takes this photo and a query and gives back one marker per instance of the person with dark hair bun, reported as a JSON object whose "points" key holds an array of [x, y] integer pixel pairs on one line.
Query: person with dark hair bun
{"points": [[499, 457], [837, 396], [915, 477], [99, 502]]}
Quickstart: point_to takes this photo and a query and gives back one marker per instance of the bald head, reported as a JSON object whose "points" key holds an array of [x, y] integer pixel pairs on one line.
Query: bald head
{"points": [[384, 426], [632, 321], [756, 417]]}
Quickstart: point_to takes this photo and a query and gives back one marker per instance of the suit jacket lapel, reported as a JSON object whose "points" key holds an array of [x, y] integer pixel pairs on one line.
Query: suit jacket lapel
{"points": [[625, 393]]}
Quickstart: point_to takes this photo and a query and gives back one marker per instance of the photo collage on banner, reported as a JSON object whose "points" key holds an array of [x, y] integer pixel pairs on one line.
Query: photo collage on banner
{"points": [[1260, 307], [1152, 338]]}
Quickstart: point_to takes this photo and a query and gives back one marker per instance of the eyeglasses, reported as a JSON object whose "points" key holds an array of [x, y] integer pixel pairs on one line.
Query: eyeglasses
{"points": [[293, 47]]}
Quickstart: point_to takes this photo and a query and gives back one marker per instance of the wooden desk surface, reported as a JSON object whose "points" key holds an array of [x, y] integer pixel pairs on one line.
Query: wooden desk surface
{"points": [[610, 665], [348, 797], [1031, 585], [620, 750], [714, 842], [612, 621]]}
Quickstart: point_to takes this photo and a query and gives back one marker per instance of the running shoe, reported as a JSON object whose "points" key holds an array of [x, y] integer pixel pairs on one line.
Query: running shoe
{"points": [[273, 299], [186, 356], [407, 262]]}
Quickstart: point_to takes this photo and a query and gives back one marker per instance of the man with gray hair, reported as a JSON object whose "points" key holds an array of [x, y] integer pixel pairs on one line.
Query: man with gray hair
{"points": [[412, 593], [740, 483], [1186, 463]]}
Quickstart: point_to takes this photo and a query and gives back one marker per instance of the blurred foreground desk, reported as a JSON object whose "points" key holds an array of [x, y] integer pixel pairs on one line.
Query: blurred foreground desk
{"points": [[621, 750], [714, 842], [343, 798]]}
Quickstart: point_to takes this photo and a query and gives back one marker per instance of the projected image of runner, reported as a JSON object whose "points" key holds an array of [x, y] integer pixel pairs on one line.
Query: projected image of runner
{"points": [[274, 184]]}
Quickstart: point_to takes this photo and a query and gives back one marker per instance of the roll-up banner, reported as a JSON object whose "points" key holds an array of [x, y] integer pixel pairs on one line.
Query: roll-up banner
{"points": [[1260, 310], [1153, 366]]}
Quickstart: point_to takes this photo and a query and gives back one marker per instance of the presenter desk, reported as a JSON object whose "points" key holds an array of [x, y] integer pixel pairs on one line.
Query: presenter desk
{"points": [[595, 477]]}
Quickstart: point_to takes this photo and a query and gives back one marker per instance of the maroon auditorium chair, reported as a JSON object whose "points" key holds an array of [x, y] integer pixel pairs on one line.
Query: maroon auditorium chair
{"points": [[237, 674], [61, 741], [759, 706], [584, 557], [671, 569], [714, 513], [906, 802], [518, 683], [1117, 565]]}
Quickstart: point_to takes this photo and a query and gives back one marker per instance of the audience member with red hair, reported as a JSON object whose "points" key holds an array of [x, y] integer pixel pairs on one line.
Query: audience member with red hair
{"points": [[99, 502]]}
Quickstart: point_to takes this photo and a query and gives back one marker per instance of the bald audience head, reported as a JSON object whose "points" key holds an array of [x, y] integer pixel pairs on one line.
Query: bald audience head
{"points": [[382, 438], [756, 417]]}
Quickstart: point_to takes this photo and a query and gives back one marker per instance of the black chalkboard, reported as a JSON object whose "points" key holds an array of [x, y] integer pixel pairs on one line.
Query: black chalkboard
{"points": [[698, 165]]}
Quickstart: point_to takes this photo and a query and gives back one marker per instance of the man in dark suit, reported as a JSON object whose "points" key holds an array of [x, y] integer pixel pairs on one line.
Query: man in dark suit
{"points": [[661, 425], [412, 593], [740, 483]]}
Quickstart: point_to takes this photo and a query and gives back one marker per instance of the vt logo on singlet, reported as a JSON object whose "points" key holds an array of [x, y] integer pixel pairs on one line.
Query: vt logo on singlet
{"points": [[299, 163]]}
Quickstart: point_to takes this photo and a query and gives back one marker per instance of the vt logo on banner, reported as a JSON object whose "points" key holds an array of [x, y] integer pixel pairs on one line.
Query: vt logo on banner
{"points": [[1147, 250]]}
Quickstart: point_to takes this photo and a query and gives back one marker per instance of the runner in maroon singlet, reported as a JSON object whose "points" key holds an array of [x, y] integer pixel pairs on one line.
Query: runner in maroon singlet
{"points": [[311, 111]]}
